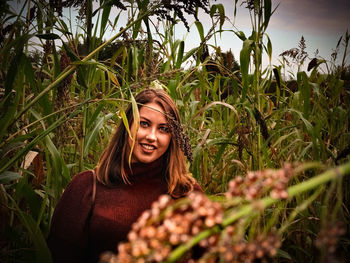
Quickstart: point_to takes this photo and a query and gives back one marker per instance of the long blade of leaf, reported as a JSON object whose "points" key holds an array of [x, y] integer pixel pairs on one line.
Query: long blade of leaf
{"points": [[136, 124]]}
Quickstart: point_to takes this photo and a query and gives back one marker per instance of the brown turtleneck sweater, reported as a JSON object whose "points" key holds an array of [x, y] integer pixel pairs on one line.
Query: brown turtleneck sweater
{"points": [[79, 234]]}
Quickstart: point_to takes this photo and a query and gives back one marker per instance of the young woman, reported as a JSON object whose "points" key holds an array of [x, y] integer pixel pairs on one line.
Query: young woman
{"points": [[98, 207]]}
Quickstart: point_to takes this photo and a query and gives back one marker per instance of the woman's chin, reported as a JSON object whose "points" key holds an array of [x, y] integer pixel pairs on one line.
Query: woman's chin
{"points": [[143, 159]]}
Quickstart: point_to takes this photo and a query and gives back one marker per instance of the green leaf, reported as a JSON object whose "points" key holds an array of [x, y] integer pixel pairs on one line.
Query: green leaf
{"points": [[48, 36], [283, 254], [307, 124], [14, 80], [42, 251], [172, 87], [105, 15], [36, 140], [125, 120], [13, 50], [29, 72], [189, 53], [245, 60], [240, 35], [180, 54], [267, 13], [200, 30], [142, 4], [277, 73], [8, 176], [8, 113], [213, 10], [15, 67], [94, 116], [136, 121], [222, 15], [129, 65], [59, 165], [221, 10], [56, 62], [65, 27], [135, 62], [39, 19], [116, 19], [269, 47], [91, 136], [24, 191], [136, 29], [303, 83], [223, 146], [70, 52]]}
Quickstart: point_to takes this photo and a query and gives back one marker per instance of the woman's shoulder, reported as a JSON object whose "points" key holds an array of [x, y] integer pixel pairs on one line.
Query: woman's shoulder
{"points": [[83, 176], [196, 187], [81, 180]]}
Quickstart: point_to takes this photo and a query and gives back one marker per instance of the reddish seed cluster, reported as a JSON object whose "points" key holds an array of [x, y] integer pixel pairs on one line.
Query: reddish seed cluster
{"points": [[258, 183], [262, 248], [329, 236], [159, 230], [108, 257]]}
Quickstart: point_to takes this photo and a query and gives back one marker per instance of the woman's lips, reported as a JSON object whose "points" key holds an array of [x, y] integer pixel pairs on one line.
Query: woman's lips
{"points": [[147, 147]]}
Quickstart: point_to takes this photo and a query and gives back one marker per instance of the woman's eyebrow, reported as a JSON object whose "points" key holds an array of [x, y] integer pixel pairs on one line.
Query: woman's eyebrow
{"points": [[142, 117]]}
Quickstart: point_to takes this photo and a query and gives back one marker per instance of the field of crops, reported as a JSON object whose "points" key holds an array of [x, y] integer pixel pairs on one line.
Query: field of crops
{"points": [[270, 151]]}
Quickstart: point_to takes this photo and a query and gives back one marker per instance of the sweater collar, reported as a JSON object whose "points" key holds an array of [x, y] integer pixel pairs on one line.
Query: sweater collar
{"points": [[151, 169]]}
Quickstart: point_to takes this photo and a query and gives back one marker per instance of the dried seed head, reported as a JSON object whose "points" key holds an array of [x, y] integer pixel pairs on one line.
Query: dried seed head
{"points": [[329, 236], [161, 229], [180, 137], [256, 250], [257, 184]]}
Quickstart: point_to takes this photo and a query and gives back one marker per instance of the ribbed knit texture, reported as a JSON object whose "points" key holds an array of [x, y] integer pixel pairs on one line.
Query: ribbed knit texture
{"points": [[78, 236]]}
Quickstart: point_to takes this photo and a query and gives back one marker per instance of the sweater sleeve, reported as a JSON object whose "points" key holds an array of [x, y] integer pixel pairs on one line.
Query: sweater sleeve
{"points": [[196, 187], [68, 237]]}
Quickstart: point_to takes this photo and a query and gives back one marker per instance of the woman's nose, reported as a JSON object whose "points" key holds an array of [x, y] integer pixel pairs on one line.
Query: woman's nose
{"points": [[151, 135]]}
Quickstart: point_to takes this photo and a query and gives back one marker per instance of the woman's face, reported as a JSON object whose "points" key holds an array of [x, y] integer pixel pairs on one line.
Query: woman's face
{"points": [[153, 136]]}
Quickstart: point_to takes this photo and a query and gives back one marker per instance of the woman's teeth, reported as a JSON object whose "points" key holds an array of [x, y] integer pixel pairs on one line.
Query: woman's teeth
{"points": [[148, 147]]}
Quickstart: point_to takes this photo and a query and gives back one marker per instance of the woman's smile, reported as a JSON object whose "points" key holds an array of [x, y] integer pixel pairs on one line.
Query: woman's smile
{"points": [[148, 147], [153, 137]]}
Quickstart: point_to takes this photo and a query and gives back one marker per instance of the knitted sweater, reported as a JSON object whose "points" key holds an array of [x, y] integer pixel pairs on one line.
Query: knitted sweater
{"points": [[80, 234]]}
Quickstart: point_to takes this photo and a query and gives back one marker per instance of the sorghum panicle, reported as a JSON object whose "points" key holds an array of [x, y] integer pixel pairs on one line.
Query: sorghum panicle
{"points": [[257, 184], [180, 137], [329, 236], [159, 230]]}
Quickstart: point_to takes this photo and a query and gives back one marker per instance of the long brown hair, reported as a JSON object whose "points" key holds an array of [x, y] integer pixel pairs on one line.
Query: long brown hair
{"points": [[110, 169]]}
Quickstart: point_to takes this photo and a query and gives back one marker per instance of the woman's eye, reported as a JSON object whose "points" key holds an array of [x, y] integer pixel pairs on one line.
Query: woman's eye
{"points": [[164, 129], [143, 123]]}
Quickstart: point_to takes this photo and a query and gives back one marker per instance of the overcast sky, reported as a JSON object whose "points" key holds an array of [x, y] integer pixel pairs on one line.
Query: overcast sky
{"points": [[311, 16], [321, 22]]}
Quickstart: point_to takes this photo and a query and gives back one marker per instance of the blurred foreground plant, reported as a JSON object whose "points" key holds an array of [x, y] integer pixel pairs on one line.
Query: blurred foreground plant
{"points": [[238, 228]]}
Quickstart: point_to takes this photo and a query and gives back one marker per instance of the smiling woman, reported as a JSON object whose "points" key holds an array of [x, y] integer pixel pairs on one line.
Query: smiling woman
{"points": [[98, 207], [153, 136]]}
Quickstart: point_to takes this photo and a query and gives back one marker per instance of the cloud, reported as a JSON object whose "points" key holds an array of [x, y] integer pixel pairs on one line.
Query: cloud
{"points": [[321, 16]]}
